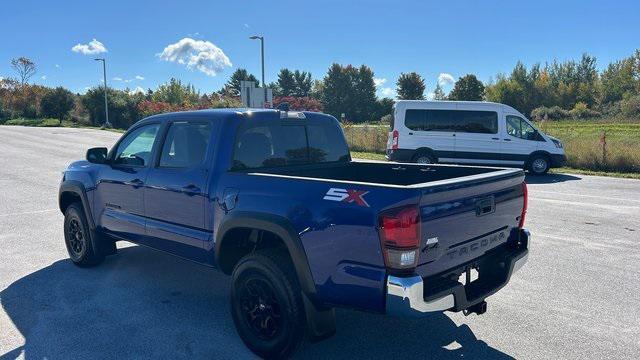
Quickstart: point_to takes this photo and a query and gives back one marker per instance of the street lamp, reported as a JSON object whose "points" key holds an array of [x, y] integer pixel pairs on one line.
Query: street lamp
{"points": [[106, 124], [264, 86]]}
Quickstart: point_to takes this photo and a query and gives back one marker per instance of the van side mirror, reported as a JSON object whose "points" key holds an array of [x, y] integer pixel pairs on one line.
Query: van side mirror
{"points": [[97, 155]]}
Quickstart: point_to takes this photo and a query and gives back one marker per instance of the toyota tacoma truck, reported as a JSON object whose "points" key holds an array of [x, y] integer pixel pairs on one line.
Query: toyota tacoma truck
{"points": [[274, 199]]}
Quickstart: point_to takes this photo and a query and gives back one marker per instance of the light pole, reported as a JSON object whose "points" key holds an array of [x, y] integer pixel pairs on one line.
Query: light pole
{"points": [[106, 124], [264, 86]]}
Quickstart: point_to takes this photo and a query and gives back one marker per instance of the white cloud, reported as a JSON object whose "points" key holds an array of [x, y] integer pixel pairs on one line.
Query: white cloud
{"points": [[379, 81], [138, 89], [247, 26], [197, 54], [117, 79], [430, 95], [138, 77], [57, 66], [388, 92], [445, 79], [92, 48], [43, 77]]}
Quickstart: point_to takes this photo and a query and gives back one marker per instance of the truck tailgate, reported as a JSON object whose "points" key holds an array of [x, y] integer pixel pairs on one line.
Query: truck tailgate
{"points": [[462, 220]]}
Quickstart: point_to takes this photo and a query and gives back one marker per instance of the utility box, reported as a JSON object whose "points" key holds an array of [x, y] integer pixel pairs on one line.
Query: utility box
{"points": [[254, 97]]}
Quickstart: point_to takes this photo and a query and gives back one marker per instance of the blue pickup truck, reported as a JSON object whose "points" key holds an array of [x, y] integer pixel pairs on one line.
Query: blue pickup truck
{"points": [[274, 199]]}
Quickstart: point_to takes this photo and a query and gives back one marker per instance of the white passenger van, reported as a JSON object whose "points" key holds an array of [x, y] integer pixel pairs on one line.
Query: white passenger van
{"points": [[470, 132]]}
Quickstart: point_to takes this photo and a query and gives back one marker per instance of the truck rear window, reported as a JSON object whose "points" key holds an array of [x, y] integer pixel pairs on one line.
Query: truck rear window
{"points": [[261, 144]]}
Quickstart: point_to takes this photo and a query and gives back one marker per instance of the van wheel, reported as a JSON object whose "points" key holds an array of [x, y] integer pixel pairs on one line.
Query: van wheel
{"points": [[79, 239], [424, 157], [539, 165], [266, 304]]}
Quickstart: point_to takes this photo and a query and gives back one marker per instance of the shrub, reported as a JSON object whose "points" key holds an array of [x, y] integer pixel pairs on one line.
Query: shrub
{"points": [[549, 113], [581, 111], [299, 103], [630, 106]]}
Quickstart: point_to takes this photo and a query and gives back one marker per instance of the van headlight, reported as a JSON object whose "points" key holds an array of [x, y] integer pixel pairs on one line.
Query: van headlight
{"points": [[557, 143]]}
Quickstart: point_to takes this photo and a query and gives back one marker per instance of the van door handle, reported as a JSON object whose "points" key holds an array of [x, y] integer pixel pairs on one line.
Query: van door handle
{"points": [[495, 138], [506, 139]]}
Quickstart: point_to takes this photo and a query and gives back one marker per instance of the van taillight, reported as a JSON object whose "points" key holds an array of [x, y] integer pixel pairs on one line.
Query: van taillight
{"points": [[400, 236], [525, 204], [394, 140]]}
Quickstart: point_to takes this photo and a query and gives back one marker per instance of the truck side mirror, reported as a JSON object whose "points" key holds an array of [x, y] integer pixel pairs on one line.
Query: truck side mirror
{"points": [[97, 155]]}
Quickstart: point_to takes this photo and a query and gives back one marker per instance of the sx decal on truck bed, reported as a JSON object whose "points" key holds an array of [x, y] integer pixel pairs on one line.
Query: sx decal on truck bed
{"points": [[347, 195]]}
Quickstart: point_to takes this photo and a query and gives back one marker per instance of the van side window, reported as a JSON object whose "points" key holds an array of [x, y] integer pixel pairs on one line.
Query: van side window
{"points": [[518, 127], [480, 122]]}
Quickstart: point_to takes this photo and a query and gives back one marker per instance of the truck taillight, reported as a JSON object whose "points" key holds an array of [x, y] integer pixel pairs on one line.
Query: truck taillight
{"points": [[394, 140], [525, 203], [400, 236]]}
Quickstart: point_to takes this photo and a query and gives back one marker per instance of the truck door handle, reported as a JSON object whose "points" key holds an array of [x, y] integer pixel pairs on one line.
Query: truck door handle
{"points": [[191, 189], [136, 183]]}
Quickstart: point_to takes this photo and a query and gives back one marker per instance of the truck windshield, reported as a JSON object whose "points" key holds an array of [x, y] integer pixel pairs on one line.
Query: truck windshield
{"points": [[262, 144]]}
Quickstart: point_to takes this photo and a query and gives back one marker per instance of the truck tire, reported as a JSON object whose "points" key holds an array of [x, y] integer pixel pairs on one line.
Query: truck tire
{"points": [[539, 164], [267, 305], [424, 157], [80, 241]]}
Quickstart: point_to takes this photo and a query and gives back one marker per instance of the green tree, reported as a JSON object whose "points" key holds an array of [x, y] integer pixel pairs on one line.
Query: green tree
{"points": [[176, 93], [57, 103], [123, 110], [303, 83], [232, 87], [410, 86], [286, 82], [350, 91], [438, 93], [467, 88], [384, 107]]}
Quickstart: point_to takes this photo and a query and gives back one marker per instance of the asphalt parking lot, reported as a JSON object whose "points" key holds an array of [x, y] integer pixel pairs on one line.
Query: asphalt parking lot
{"points": [[578, 297]]}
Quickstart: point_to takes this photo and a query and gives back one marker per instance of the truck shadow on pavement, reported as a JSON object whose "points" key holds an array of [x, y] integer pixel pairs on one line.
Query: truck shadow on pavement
{"points": [[145, 304], [550, 178]]}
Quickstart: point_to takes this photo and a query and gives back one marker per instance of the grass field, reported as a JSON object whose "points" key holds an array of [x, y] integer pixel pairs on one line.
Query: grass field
{"points": [[581, 140]]}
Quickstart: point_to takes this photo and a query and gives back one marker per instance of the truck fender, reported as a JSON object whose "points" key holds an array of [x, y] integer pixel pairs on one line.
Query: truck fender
{"points": [[277, 225], [77, 188]]}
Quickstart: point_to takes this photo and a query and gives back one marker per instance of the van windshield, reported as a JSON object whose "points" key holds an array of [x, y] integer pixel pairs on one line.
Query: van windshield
{"points": [[269, 143]]}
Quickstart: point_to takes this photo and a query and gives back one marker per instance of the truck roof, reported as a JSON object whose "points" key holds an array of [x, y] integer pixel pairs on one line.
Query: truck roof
{"points": [[215, 114]]}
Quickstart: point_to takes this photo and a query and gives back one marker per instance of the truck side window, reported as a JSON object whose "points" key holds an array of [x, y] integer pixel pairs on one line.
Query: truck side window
{"points": [[518, 127], [185, 145], [135, 149]]}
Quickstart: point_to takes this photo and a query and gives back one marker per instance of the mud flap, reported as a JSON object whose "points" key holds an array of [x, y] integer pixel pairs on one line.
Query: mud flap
{"points": [[321, 323]]}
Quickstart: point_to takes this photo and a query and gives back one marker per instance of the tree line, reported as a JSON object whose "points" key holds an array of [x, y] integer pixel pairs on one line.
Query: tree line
{"points": [[550, 91]]}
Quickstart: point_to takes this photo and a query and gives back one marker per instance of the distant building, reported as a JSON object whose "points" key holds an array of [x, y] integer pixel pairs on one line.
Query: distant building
{"points": [[254, 97]]}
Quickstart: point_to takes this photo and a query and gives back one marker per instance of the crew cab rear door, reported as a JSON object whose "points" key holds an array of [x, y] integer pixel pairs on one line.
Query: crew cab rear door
{"points": [[176, 191]]}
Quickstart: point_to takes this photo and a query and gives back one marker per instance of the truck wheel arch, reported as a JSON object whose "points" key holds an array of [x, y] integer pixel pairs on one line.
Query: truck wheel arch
{"points": [[72, 191], [275, 224]]}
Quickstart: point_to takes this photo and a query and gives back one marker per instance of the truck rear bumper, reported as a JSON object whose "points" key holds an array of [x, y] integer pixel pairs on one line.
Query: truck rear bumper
{"points": [[406, 296]]}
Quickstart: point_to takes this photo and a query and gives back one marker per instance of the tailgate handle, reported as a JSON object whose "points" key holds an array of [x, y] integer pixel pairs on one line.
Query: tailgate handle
{"points": [[485, 206]]}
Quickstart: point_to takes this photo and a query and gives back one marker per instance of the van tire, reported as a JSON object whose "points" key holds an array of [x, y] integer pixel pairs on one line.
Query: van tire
{"points": [[424, 157], [539, 164], [267, 305]]}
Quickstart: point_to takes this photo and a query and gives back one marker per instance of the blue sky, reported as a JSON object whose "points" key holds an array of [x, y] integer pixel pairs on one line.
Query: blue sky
{"points": [[432, 38]]}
